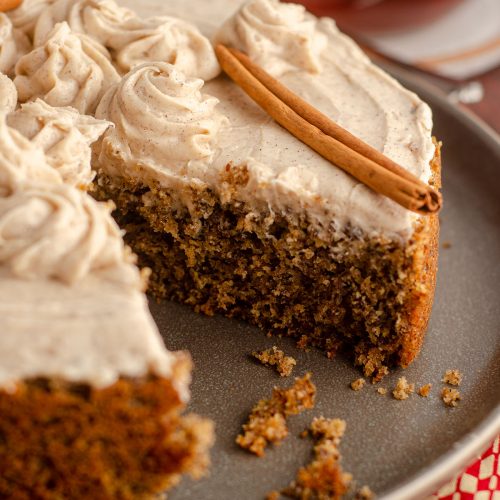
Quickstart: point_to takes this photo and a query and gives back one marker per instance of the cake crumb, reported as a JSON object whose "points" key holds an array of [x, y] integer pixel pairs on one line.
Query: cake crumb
{"points": [[365, 493], [304, 433], [273, 495], [267, 421], [450, 397], [358, 384], [446, 245], [382, 391], [403, 389], [323, 477], [303, 342], [452, 377], [425, 390], [275, 357]]}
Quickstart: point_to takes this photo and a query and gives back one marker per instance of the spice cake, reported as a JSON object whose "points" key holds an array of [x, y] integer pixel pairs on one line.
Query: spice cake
{"points": [[91, 401], [236, 216]]}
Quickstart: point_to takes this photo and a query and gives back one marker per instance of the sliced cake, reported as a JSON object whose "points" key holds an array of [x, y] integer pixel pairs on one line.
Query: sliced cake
{"points": [[236, 216], [91, 401]]}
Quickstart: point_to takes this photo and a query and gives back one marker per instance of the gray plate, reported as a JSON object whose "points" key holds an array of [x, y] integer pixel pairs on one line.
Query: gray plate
{"points": [[401, 449]]}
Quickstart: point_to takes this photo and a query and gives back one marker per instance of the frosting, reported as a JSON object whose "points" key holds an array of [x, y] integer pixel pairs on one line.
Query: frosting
{"points": [[13, 44], [21, 160], [58, 232], [67, 70], [284, 175], [173, 41], [162, 122], [278, 36], [8, 95], [64, 134], [92, 333], [134, 40], [26, 15]]}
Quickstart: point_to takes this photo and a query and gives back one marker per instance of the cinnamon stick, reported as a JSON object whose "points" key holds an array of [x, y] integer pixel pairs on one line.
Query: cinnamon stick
{"points": [[327, 138], [6, 5]]}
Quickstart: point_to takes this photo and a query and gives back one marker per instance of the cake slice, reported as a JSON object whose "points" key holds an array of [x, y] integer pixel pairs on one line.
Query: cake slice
{"points": [[91, 401], [236, 216]]}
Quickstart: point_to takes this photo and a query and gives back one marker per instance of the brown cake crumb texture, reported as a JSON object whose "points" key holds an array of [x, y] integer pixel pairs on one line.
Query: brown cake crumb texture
{"points": [[208, 249], [267, 421], [358, 384], [323, 478], [425, 390], [450, 396], [365, 493], [127, 441], [275, 357], [403, 389], [452, 377]]}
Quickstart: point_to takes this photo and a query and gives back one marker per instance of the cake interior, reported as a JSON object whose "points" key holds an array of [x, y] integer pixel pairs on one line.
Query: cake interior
{"points": [[274, 270], [128, 440]]}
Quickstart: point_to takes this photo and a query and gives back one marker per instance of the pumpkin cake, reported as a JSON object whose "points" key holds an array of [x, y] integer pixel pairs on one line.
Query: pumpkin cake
{"points": [[235, 216], [91, 401]]}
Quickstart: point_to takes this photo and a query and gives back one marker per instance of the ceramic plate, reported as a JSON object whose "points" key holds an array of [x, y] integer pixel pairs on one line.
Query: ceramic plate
{"points": [[401, 449]]}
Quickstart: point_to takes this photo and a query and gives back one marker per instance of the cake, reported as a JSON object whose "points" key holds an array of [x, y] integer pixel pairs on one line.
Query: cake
{"points": [[91, 401], [237, 217]]}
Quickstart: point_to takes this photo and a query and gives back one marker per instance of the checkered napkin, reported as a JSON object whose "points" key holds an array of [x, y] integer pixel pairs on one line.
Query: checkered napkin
{"points": [[480, 481]]}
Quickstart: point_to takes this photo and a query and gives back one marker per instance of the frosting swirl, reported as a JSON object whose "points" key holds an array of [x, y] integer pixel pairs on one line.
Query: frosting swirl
{"points": [[8, 94], [161, 118], [173, 41], [64, 134], [134, 40], [59, 232], [21, 160], [68, 70], [278, 36], [13, 44], [26, 15]]}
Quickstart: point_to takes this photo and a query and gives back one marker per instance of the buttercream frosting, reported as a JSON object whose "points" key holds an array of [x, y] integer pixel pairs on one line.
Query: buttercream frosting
{"points": [[65, 136], [134, 40], [162, 122], [21, 160], [278, 36], [8, 95], [26, 15], [92, 333], [59, 232], [334, 75], [69, 69], [13, 44]]}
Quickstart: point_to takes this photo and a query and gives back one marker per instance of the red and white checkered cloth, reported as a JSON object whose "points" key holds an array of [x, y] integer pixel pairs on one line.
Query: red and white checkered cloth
{"points": [[480, 481]]}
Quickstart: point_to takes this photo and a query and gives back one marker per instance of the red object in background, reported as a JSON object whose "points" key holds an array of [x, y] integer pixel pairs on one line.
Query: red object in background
{"points": [[371, 16]]}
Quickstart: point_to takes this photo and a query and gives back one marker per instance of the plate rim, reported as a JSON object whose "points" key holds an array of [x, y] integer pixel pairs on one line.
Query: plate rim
{"points": [[429, 479]]}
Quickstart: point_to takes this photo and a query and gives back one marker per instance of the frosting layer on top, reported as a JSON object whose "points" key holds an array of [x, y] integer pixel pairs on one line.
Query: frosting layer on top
{"points": [[318, 62]]}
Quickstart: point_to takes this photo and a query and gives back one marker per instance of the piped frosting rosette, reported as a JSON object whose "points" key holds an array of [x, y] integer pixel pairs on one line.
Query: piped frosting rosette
{"points": [[133, 40], [13, 44], [67, 70], [278, 36], [54, 231], [161, 119], [8, 95], [64, 135], [21, 160], [25, 17]]}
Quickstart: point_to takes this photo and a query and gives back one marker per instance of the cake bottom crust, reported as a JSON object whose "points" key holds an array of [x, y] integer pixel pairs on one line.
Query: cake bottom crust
{"points": [[127, 441], [277, 273]]}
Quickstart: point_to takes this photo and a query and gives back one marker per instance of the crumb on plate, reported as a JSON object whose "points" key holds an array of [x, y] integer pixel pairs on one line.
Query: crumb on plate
{"points": [[267, 421], [275, 357]]}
